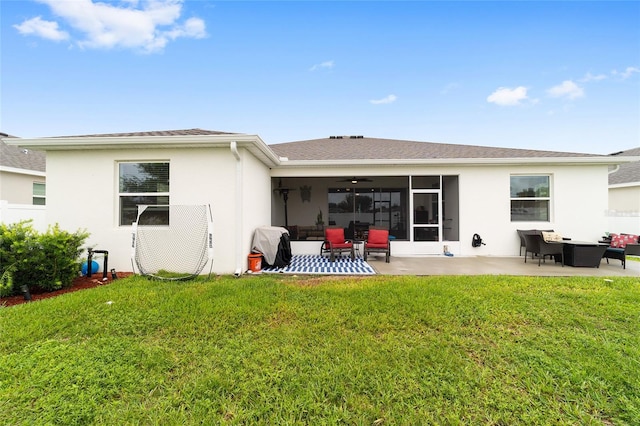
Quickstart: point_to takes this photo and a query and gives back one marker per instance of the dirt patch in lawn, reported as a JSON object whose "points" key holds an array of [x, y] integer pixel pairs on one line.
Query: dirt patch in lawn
{"points": [[80, 283]]}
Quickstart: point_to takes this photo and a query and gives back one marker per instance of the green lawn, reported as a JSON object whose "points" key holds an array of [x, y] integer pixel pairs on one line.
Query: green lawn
{"points": [[384, 350]]}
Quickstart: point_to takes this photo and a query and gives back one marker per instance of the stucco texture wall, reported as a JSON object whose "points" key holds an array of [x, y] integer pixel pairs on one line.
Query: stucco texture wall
{"points": [[17, 188], [82, 193], [578, 204]]}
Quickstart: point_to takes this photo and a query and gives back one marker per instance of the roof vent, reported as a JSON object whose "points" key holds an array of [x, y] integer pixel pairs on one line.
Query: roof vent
{"points": [[355, 137]]}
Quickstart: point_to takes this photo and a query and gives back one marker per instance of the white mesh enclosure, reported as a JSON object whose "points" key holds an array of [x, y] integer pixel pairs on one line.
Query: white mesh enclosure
{"points": [[172, 242]]}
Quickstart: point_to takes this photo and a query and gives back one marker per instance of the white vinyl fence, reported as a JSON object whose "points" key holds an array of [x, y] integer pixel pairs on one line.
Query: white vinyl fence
{"points": [[623, 222], [13, 213]]}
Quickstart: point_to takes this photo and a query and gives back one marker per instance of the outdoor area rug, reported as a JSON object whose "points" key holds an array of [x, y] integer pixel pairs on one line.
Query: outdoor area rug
{"points": [[316, 264]]}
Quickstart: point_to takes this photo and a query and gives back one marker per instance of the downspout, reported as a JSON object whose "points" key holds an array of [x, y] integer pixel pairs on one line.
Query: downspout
{"points": [[615, 169], [240, 222]]}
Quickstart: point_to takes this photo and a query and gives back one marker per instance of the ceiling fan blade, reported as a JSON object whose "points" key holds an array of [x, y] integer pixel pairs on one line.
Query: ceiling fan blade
{"points": [[355, 180]]}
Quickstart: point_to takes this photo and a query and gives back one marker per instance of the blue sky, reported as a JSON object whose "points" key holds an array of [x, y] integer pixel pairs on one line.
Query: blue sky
{"points": [[561, 76]]}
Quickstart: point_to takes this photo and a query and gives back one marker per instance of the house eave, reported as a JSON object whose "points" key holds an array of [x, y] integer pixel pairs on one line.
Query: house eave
{"points": [[603, 160], [22, 171], [624, 185], [252, 143]]}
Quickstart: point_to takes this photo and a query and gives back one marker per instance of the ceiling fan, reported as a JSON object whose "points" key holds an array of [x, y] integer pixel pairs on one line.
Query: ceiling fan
{"points": [[355, 180]]}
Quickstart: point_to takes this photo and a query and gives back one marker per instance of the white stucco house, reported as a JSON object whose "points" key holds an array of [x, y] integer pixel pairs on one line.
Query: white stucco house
{"points": [[22, 184], [427, 194], [624, 195]]}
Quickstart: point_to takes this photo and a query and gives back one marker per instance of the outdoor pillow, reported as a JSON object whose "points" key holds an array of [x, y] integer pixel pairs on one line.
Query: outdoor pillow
{"points": [[621, 241], [551, 236]]}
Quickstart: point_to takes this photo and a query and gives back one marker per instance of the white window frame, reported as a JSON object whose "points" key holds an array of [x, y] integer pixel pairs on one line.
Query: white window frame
{"points": [[38, 196], [548, 198], [121, 194]]}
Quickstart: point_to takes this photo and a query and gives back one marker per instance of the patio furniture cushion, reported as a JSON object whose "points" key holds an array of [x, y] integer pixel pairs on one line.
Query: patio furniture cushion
{"points": [[621, 240], [378, 237], [551, 236]]}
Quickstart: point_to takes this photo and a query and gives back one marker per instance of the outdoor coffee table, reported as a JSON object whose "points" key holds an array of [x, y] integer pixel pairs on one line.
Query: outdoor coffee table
{"points": [[583, 253]]}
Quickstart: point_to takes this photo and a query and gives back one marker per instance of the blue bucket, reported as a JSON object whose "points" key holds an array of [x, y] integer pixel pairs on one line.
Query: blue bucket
{"points": [[94, 267]]}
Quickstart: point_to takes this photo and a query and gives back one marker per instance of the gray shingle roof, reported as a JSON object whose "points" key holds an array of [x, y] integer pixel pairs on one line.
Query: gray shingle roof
{"points": [[628, 172], [20, 158], [365, 148], [183, 132]]}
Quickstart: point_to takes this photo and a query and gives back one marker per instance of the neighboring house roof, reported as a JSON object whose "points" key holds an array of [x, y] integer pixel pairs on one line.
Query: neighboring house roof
{"points": [[365, 148], [628, 173], [20, 158], [183, 132], [188, 138]]}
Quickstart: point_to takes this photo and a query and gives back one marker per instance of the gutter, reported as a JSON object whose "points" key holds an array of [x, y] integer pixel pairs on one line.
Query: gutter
{"points": [[239, 226], [520, 161]]}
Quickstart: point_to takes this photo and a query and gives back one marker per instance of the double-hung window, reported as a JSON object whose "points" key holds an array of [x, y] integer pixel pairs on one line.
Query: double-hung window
{"points": [[39, 194], [143, 184], [530, 198]]}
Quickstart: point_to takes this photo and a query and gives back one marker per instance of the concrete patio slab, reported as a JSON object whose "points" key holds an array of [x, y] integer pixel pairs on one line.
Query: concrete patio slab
{"points": [[484, 265]]}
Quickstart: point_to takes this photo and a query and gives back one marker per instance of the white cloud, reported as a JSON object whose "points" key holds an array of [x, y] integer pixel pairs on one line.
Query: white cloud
{"points": [[450, 88], [566, 89], [46, 29], [590, 77], [146, 25], [505, 96], [628, 72], [387, 100], [322, 65]]}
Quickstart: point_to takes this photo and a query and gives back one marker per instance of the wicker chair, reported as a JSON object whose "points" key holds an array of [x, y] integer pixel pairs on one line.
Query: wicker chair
{"points": [[621, 253], [335, 243], [535, 244]]}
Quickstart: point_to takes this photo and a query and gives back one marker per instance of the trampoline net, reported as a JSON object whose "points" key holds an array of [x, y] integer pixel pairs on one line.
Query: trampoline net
{"points": [[172, 242]]}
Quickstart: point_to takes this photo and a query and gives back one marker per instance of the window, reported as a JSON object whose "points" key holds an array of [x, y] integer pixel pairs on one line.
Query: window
{"points": [[356, 209], [39, 192], [143, 184], [530, 198]]}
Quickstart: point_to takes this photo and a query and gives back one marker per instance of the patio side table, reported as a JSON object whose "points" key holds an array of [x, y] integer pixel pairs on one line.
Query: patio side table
{"points": [[356, 247]]}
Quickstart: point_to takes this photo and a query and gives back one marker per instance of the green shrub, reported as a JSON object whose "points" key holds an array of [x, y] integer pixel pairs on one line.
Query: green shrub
{"points": [[6, 282], [49, 260]]}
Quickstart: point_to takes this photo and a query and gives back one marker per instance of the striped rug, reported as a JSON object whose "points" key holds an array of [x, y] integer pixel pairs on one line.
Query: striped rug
{"points": [[316, 264]]}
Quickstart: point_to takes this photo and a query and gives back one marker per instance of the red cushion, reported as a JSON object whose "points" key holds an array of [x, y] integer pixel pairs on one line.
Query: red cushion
{"points": [[334, 235], [377, 246], [378, 236], [341, 245]]}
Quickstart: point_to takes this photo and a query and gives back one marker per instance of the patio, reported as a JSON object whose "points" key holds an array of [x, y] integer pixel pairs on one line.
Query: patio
{"points": [[488, 265]]}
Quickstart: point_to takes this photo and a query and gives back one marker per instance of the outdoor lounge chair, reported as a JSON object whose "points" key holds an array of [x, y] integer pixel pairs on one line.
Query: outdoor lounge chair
{"points": [[378, 242], [335, 243], [535, 244], [623, 245]]}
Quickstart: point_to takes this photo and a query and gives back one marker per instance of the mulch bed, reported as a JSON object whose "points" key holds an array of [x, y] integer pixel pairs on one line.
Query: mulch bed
{"points": [[80, 283]]}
